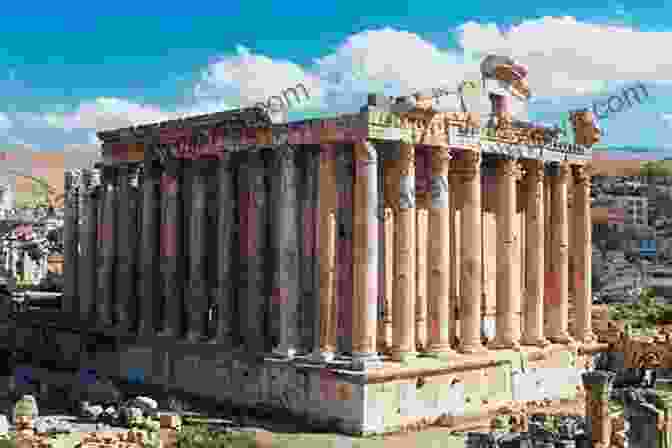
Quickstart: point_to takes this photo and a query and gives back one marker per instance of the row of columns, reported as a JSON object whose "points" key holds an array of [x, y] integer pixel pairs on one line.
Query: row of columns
{"points": [[454, 257]]}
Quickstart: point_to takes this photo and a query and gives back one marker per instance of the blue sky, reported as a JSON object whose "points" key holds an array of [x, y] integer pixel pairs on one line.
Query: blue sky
{"points": [[66, 72]]}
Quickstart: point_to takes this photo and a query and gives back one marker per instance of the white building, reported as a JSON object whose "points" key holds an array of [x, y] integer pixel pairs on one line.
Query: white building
{"points": [[635, 211]]}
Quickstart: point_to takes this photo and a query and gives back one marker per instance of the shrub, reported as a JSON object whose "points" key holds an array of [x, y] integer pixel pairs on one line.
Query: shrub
{"points": [[202, 437]]}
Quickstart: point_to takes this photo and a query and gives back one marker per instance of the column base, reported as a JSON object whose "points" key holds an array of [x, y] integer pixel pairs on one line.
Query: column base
{"points": [[167, 332], [472, 349], [504, 345], [365, 361], [403, 356], [441, 352], [562, 339], [285, 352], [588, 338], [536, 342], [319, 356]]}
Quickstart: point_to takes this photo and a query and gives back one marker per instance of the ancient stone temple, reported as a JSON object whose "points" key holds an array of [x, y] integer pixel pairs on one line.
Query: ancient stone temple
{"points": [[376, 269]]}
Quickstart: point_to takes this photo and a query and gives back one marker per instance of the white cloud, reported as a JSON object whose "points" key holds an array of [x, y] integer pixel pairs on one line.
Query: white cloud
{"points": [[5, 123], [107, 113], [564, 57]]}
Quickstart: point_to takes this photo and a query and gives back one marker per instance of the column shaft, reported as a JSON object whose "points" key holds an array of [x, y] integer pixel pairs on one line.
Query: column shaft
{"points": [[71, 253], [533, 333], [327, 250], [508, 299], [470, 306], [284, 244], [172, 255], [226, 221], [557, 281], [583, 228], [439, 315], [149, 273], [124, 274], [107, 236], [455, 251], [365, 255], [196, 300], [88, 223], [403, 307], [547, 247]]}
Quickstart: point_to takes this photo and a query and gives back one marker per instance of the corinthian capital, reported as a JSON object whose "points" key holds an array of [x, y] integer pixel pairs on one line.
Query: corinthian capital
{"points": [[582, 175]]}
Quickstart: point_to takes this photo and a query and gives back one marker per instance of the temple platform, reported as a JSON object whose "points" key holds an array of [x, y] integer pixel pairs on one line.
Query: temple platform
{"points": [[462, 391]]}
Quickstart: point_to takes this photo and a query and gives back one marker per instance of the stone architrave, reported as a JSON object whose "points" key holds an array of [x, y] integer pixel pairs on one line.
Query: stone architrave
{"points": [[327, 253], [470, 267], [533, 333], [403, 304], [365, 254], [439, 315], [556, 283], [508, 298], [583, 268]]}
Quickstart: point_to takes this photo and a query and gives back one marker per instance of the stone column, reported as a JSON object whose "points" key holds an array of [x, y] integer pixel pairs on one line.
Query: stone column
{"points": [[439, 314], [253, 241], [327, 252], [572, 254], [557, 282], [403, 307], [547, 242], [149, 273], [584, 252], [533, 333], [124, 275], [226, 222], [107, 236], [88, 256], [196, 299], [455, 205], [385, 329], [134, 249], [508, 299], [285, 250], [71, 243], [489, 195], [470, 306], [598, 385], [172, 255], [365, 254], [423, 170]]}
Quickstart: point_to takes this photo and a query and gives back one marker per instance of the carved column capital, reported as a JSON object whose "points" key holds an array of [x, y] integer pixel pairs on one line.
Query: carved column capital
{"points": [[441, 155], [469, 164], [406, 158], [582, 175], [534, 170]]}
